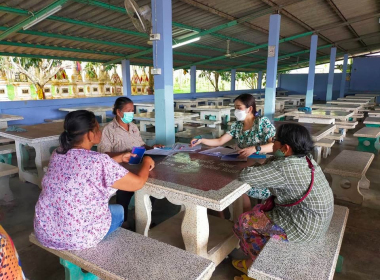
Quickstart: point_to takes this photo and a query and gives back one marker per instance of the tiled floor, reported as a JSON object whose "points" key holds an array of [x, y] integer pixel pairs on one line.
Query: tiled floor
{"points": [[361, 244]]}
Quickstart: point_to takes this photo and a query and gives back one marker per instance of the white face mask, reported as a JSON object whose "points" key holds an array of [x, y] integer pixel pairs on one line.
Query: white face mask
{"points": [[240, 115]]}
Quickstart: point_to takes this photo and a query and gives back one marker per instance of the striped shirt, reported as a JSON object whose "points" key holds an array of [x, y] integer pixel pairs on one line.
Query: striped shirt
{"points": [[289, 179]]}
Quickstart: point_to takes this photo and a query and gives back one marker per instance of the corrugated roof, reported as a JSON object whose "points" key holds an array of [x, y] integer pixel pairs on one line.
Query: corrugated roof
{"points": [[101, 30]]}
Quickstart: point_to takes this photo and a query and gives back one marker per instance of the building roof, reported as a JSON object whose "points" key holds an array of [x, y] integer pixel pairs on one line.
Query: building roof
{"points": [[100, 30]]}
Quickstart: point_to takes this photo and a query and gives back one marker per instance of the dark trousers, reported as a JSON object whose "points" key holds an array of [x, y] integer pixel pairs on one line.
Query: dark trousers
{"points": [[124, 198]]}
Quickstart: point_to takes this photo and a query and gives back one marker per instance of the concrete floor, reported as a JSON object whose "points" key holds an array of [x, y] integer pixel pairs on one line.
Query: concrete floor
{"points": [[360, 248]]}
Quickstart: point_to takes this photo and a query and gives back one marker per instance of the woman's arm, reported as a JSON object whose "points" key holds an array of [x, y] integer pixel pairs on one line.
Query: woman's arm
{"points": [[266, 148], [133, 182], [212, 142]]}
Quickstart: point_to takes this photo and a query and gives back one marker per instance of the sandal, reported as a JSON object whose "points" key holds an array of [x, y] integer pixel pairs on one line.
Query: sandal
{"points": [[243, 277], [243, 269]]}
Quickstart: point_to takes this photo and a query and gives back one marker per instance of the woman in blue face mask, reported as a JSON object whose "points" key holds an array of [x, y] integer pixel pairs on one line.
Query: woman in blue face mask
{"points": [[301, 205], [120, 136], [253, 134]]}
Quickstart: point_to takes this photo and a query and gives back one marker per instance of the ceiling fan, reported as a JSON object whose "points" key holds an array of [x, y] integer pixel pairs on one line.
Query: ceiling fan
{"points": [[141, 16]]}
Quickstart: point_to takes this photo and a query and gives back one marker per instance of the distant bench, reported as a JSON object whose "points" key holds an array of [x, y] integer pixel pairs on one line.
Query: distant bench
{"points": [[302, 261], [128, 255]]}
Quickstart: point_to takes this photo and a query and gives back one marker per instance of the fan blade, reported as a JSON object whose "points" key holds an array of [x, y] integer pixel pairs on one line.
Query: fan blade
{"points": [[133, 12]]}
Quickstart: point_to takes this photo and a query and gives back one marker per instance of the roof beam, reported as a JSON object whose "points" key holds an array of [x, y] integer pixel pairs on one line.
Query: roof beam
{"points": [[280, 57], [28, 20], [324, 58], [50, 57], [343, 18], [214, 11], [247, 50], [350, 21], [294, 19]]}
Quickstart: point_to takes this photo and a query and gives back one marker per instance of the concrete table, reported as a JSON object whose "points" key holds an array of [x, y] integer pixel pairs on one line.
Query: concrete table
{"points": [[338, 107], [372, 122], [197, 182], [368, 139], [322, 114], [149, 118], [186, 103], [348, 102], [41, 137], [281, 92], [317, 131], [214, 112], [375, 95], [348, 171], [294, 100], [4, 119], [97, 110], [375, 113], [147, 106], [218, 101], [369, 99]]}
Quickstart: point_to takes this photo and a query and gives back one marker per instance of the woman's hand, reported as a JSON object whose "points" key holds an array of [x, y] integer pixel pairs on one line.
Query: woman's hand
{"points": [[158, 146], [246, 152], [195, 141], [127, 156], [150, 161]]}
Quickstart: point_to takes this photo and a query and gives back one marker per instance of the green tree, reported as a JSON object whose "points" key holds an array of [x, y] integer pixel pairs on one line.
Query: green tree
{"points": [[39, 71], [249, 79], [213, 77]]}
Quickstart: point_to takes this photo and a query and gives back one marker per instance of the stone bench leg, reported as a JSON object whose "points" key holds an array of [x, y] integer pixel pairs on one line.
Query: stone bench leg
{"points": [[326, 151], [317, 153], [370, 145], [6, 195], [74, 272], [347, 188]]}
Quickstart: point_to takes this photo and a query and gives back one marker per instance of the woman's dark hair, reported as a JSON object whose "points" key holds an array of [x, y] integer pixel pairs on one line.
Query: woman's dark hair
{"points": [[248, 100], [120, 103], [77, 123], [297, 137]]}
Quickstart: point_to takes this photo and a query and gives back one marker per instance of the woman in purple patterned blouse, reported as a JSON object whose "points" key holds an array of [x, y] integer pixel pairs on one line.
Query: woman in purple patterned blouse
{"points": [[72, 212]]}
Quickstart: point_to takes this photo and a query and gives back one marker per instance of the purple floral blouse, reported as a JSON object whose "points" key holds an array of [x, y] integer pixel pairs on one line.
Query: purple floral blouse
{"points": [[72, 211]]}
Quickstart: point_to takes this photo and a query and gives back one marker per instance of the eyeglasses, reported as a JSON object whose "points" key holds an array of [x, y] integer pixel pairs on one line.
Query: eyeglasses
{"points": [[274, 139]]}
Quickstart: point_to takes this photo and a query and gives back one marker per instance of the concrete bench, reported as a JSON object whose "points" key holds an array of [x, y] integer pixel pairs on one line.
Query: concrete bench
{"points": [[53, 120], [202, 121], [355, 117], [368, 139], [342, 127], [348, 171], [6, 153], [324, 145], [372, 122], [335, 136], [6, 170], [302, 261], [4, 140], [128, 255], [375, 113]]}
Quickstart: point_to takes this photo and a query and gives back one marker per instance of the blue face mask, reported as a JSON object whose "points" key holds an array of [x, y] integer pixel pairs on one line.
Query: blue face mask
{"points": [[128, 117], [279, 153]]}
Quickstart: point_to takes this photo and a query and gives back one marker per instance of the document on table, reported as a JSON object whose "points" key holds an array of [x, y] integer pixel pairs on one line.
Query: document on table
{"points": [[185, 148], [233, 157], [218, 151], [167, 151]]}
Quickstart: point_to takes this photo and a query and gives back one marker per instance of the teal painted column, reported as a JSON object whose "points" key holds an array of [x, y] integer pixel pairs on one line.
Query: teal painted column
{"points": [[193, 79], [311, 75], [330, 80], [233, 79], [163, 83], [259, 79], [126, 77], [273, 45], [344, 75]]}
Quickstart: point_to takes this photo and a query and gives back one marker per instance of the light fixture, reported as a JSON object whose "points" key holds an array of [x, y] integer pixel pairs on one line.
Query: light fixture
{"points": [[41, 18], [186, 42]]}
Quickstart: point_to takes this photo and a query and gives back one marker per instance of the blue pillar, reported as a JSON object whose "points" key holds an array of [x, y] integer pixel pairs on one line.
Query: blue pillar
{"points": [[311, 75], [233, 79], [330, 80], [344, 75], [193, 79], [273, 44], [259, 79], [126, 77], [163, 83]]}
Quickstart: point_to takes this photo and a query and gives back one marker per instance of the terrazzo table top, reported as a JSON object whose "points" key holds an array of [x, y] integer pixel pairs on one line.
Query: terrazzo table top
{"points": [[7, 118], [367, 94], [345, 166], [364, 98], [316, 130], [212, 108], [340, 115], [88, 108], [360, 102], [343, 107], [302, 261], [369, 132], [372, 120], [203, 179], [128, 255], [36, 133], [150, 116]]}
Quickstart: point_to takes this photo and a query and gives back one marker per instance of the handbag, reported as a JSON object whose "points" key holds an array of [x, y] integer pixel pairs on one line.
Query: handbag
{"points": [[270, 204]]}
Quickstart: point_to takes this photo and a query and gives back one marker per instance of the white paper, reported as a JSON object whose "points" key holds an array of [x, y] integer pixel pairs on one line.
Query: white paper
{"points": [[160, 152], [218, 151], [185, 148]]}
